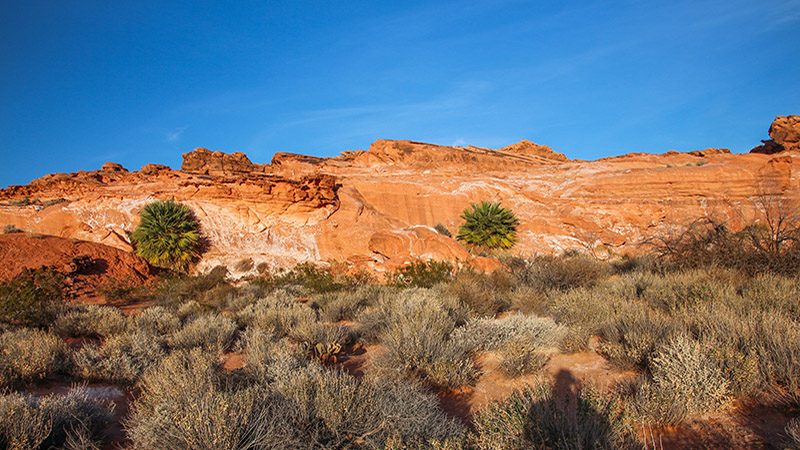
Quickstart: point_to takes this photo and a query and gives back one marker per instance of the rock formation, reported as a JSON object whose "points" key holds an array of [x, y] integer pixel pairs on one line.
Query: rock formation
{"points": [[377, 208], [785, 135], [87, 267]]}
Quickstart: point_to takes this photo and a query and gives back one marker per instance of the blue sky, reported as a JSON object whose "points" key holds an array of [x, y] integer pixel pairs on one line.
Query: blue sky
{"points": [[84, 82]]}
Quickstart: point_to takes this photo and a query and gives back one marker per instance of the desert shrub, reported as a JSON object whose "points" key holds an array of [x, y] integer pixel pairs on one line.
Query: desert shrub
{"points": [[260, 350], [493, 334], [190, 310], [488, 225], [310, 278], [559, 272], [29, 354], [535, 418], [441, 229], [630, 336], [10, 229], [244, 265], [168, 235], [155, 320], [76, 418], [587, 310], [90, 321], [210, 289], [674, 291], [212, 332], [186, 402], [372, 321], [773, 292], [685, 384], [55, 421], [486, 294], [528, 300], [22, 426], [520, 356], [418, 340], [422, 274], [182, 405], [32, 298], [279, 312], [346, 305], [120, 358], [370, 413], [793, 433]]}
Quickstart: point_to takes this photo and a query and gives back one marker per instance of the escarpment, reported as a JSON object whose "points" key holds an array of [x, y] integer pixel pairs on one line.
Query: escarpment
{"points": [[376, 209]]}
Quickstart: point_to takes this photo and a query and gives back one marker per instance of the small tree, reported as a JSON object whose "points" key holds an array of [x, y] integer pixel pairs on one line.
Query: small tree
{"points": [[168, 235], [488, 225]]}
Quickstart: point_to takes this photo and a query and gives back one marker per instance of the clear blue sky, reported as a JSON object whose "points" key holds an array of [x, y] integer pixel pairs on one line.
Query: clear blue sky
{"points": [[84, 82]]}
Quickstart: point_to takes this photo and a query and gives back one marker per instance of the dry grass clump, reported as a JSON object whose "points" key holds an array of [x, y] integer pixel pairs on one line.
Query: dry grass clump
{"points": [[685, 384], [485, 294], [212, 332], [72, 421], [417, 331], [120, 358], [537, 418], [90, 321], [186, 402], [28, 354]]}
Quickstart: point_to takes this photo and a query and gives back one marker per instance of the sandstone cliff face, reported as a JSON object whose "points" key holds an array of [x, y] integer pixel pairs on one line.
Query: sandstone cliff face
{"points": [[376, 208]]}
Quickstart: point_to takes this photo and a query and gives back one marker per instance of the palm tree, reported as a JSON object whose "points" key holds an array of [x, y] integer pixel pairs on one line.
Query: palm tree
{"points": [[488, 225], [168, 235]]}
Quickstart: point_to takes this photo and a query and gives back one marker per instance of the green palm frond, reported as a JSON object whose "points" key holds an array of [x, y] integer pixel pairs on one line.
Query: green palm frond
{"points": [[489, 225], [168, 235]]}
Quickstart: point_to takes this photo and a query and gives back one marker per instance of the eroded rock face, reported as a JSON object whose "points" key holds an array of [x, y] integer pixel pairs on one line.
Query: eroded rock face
{"points": [[785, 134], [207, 162], [377, 208]]}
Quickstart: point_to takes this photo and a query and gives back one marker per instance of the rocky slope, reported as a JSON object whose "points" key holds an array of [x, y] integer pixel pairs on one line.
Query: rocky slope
{"points": [[376, 208]]}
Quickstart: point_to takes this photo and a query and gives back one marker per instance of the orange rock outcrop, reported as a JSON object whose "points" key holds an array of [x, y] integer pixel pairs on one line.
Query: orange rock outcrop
{"points": [[377, 208]]}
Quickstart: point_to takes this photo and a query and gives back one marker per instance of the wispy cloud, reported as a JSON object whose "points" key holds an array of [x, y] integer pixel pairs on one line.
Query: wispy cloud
{"points": [[175, 134]]}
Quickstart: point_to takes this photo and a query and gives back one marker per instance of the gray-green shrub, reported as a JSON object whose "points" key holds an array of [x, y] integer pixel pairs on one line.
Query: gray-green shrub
{"points": [[29, 354], [54, 421], [685, 384], [212, 332], [417, 335], [90, 321], [120, 358], [536, 418]]}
